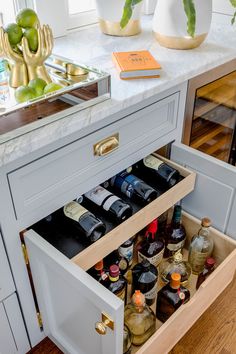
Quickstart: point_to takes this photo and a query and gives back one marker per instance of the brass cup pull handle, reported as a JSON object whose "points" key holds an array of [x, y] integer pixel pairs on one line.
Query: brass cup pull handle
{"points": [[106, 146], [101, 327]]}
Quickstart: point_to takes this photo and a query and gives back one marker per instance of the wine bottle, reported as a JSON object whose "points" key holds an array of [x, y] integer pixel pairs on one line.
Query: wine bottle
{"points": [[115, 258], [133, 187], [115, 206], [127, 250], [87, 223], [175, 234], [152, 247], [165, 173], [208, 269], [116, 283], [145, 279], [171, 297]]}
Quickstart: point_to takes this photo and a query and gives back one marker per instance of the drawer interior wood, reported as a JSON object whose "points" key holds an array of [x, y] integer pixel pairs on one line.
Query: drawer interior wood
{"points": [[116, 235], [169, 333]]}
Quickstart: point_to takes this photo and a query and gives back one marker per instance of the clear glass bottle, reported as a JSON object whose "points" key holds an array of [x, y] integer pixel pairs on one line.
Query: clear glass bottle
{"points": [[201, 247], [127, 340], [140, 319], [175, 264], [208, 269], [152, 247], [175, 234], [171, 297], [144, 277]]}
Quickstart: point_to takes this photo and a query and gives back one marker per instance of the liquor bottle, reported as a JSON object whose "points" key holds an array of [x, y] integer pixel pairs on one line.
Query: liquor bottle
{"points": [[116, 283], [152, 247], [175, 234], [133, 187], [163, 172], [208, 269], [171, 297], [126, 250], [139, 318], [98, 272], [113, 205], [144, 276], [201, 247], [115, 258], [84, 221], [127, 340], [175, 264]]}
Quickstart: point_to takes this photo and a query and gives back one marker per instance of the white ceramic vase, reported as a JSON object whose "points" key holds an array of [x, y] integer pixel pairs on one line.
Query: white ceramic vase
{"points": [[109, 16], [170, 23]]}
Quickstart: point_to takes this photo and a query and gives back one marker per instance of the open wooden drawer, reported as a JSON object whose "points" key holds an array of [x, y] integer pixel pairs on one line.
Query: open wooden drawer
{"points": [[71, 302]]}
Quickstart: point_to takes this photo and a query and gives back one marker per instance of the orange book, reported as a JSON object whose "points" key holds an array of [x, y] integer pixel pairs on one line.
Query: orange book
{"points": [[136, 64]]}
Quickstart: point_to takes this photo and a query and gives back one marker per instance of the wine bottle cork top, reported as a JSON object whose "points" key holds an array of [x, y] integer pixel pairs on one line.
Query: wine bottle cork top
{"points": [[175, 280], [114, 271], [138, 298], [210, 262], [206, 222], [99, 265]]}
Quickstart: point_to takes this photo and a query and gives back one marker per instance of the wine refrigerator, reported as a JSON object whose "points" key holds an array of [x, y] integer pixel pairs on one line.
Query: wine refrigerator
{"points": [[210, 115]]}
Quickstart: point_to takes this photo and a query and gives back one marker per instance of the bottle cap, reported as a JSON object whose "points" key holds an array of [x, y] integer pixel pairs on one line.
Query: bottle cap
{"points": [[210, 262], [175, 280], [138, 299], [99, 265], [206, 222], [152, 227], [114, 271], [177, 212]]}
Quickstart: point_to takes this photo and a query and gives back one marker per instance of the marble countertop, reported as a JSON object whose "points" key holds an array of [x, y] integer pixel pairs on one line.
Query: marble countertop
{"points": [[92, 47]]}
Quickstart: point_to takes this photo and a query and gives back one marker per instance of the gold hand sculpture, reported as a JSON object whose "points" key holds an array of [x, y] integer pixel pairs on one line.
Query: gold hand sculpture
{"points": [[35, 61], [18, 74]]}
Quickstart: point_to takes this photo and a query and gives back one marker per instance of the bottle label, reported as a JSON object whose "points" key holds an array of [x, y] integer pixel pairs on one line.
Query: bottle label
{"points": [[151, 294], [4, 92], [74, 210], [175, 246], [108, 203], [155, 260], [197, 260], [98, 195], [127, 252], [152, 162], [124, 184]]}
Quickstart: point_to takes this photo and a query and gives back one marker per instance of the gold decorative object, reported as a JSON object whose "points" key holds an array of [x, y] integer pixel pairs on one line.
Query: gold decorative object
{"points": [[113, 28], [180, 42], [35, 61], [18, 73], [26, 65]]}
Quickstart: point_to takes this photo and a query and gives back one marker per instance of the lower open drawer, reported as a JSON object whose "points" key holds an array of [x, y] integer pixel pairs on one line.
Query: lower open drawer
{"points": [[71, 301]]}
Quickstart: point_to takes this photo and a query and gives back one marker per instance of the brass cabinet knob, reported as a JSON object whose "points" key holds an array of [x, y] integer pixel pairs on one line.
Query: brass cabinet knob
{"points": [[106, 146], [101, 327]]}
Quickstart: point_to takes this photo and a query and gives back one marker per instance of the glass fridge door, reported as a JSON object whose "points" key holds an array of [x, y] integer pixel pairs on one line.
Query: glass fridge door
{"points": [[214, 118]]}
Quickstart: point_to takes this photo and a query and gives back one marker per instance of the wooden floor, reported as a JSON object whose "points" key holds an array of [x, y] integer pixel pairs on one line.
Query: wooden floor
{"points": [[213, 333]]}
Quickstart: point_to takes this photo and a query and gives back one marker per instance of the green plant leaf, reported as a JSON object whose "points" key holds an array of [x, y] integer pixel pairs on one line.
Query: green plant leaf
{"points": [[233, 3], [127, 13], [233, 18], [190, 12]]}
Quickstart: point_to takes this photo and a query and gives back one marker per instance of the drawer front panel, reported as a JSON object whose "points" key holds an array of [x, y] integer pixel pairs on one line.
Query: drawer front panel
{"points": [[36, 184], [7, 344], [6, 282]]}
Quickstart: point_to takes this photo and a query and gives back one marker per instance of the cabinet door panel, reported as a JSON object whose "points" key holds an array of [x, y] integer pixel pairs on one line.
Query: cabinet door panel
{"points": [[7, 344], [71, 302], [215, 190], [6, 282]]}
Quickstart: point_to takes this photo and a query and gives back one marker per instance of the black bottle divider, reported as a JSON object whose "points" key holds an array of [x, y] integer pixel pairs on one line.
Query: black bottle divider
{"points": [[69, 242]]}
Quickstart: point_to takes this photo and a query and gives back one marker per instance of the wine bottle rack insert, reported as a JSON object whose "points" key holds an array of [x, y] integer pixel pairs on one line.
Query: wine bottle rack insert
{"points": [[86, 87]]}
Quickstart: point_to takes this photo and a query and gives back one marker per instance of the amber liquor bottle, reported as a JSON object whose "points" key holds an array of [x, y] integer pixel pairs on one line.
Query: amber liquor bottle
{"points": [[144, 276], [117, 283], [175, 234], [208, 269], [152, 247], [98, 273], [171, 297]]}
